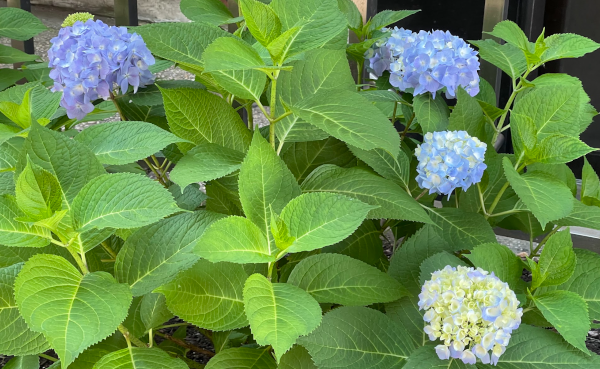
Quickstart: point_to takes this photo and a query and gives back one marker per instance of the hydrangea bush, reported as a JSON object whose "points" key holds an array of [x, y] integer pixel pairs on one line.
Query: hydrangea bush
{"points": [[278, 259]]}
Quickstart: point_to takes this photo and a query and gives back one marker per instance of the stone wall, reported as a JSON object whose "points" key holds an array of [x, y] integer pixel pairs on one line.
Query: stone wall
{"points": [[148, 10]]}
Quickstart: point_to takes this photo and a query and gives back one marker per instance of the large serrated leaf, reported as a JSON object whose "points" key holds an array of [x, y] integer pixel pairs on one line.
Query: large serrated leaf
{"points": [[568, 313], [18, 339], [462, 230], [499, 259], [396, 169], [206, 11], [183, 43], [209, 295], [200, 116], [154, 311], [243, 358], [55, 299], [468, 116], [125, 142], [18, 234], [139, 358], [296, 358], [261, 20], [393, 202], [364, 244], [19, 24], [431, 113], [567, 45], [406, 313], [102, 203], [358, 337], [538, 348], [71, 162], [507, 57], [348, 116], [546, 197], [266, 185], [582, 216], [206, 162], [279, 313], [339, 279], [236, 240], [320, 219], [425, 357], [38, 192], [154, 254]]}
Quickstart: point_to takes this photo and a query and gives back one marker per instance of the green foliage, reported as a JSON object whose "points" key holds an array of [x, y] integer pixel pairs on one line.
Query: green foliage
{"points": [[303, 244]]}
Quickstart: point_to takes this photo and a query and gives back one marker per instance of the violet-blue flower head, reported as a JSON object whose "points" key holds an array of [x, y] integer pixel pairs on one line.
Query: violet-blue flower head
{"points": [[455, 300], [449, 160], [426, 62], [88, 59]]}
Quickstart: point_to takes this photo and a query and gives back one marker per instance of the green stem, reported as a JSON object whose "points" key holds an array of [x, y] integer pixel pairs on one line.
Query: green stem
{"points": [[48, 357], [171, 326], [272, 106], [497, 200], [394, 113], [407, 127], [421, 195], [508, 212], [150, 338], [250, 118], [108, 249], [186, 345], [541, 244], [270, 271], [511, 99], [359, 79], [78, 260], [481, 199], [287, 113], [112, 97], [158, 176], [129, 338]]}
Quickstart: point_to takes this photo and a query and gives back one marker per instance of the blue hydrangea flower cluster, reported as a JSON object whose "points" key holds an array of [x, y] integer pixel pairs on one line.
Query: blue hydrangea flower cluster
{"points": [[426, 62], [471, 312], [449, 160], [89, 57]]}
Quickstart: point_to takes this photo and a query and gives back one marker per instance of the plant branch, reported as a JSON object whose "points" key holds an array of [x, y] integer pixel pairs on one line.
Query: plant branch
{"points": [[497, 199], [541, 244], [481, 199], [272, 107], [359, 78], [108, 249], [407, 127], [158, 176], [48, 357], [421, 195], [171, 326], [185, 344]]}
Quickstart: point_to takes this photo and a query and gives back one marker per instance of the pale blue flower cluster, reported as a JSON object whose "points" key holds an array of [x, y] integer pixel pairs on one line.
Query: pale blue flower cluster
{"points": [[471, 312], [89, 57], [449, 160], [426, 62]]}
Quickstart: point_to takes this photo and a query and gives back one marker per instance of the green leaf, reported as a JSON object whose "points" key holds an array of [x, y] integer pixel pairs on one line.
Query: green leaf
{"points": [[438, 262], [206, 162], [18, 338], [19, 24], [38, 192], [279, 313], [348, 7], [406, 314], [393, 202], [468, 116], [17, 234], [68, 302], [567, 45], [20, 114], [153, 310], [351, 118], [432, 114], [266, 185], [154, 254], [321, 219], [9, 77], [319, 70], [23, 362], [10, 55], [125, 142], [208, 295], [396, 169], [339, 279], [318, 22], [568, 313], [510, 32], [582, 216], [183, 43], [59, 155], [559, 171], [10, 151], [207, 11], [358, 337], [296, 358], [200, 116], [236, 240], [387, 17], [560, 149], [426, 357], [102, 203], [134, 322], [139, 358], [507, 57], [364, 244], [538, 348], [191, 198], [462, 230], [243, 358], [279, 47], [281, 233], [553, 109], [557, 261], [546, 197], [590, 185], [499, 259], [583, 282], [261, 20], [304, 157], [7, 132]]}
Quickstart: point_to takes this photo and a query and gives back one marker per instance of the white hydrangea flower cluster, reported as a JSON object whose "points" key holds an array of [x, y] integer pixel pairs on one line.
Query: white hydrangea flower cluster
{"points": [[471, 311]]}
